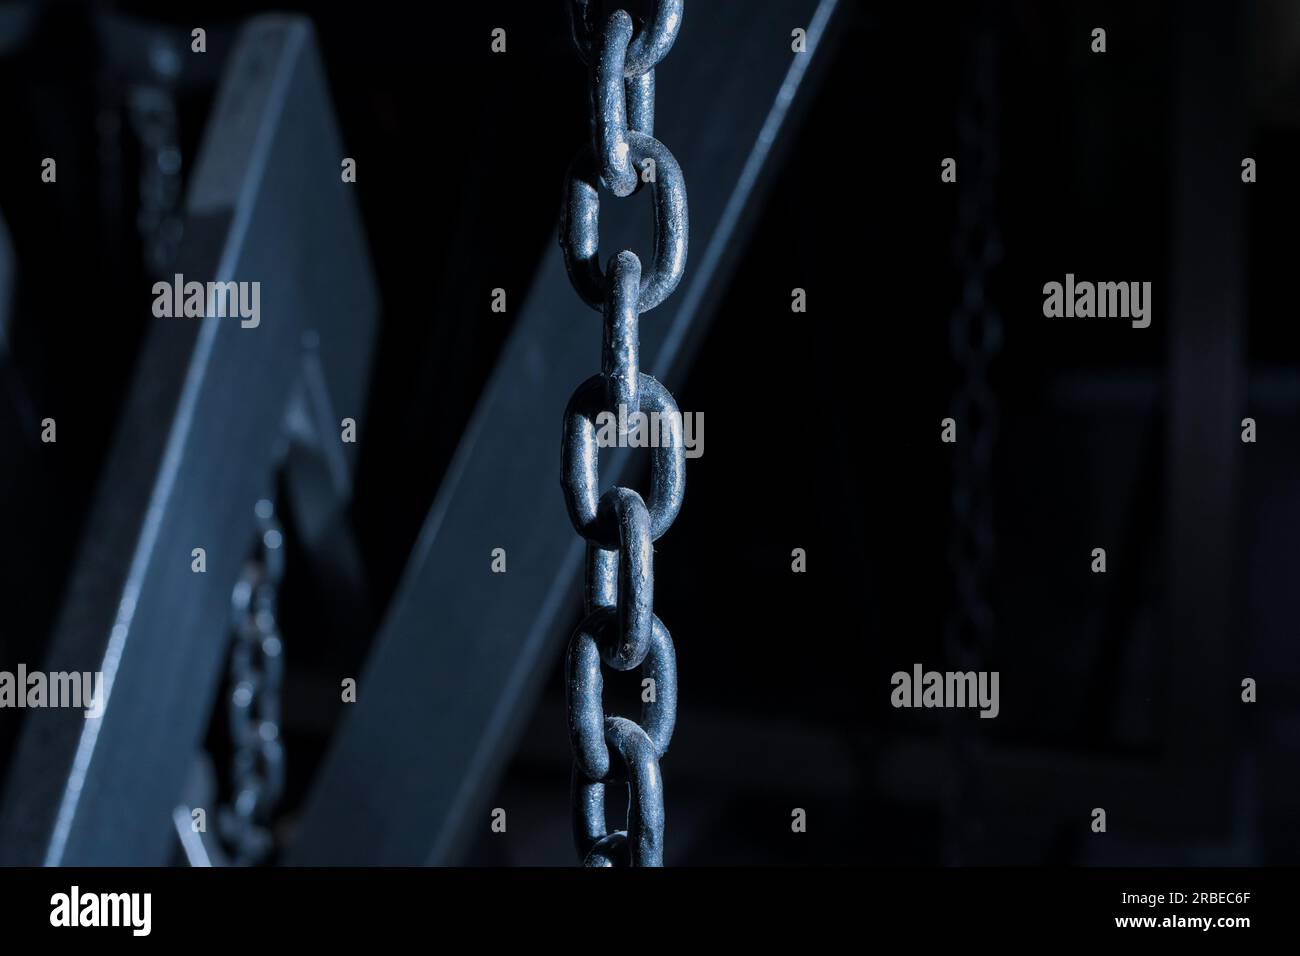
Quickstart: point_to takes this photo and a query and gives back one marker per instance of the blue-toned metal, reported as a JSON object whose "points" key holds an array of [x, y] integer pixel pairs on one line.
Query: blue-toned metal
{"points": [[642, 843], [647, 47], [609, 850], [580, 223], [610, 105], [634, 611], [621, 352], [584, 686], [619, 103], [202, 429], [601, 578], [620, 628], [458, 659], [640, 93], [580, 463], [253, 704]]}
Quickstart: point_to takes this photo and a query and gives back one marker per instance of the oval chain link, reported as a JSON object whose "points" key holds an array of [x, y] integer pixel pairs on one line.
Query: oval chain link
{"points": [[620, 629]]}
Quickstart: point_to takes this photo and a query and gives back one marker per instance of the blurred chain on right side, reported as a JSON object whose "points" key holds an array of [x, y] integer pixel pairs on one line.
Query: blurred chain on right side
{"points": [[976, 339]]}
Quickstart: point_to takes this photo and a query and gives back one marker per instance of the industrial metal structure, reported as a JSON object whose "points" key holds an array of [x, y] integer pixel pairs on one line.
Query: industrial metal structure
{"points": [[320, 557]]}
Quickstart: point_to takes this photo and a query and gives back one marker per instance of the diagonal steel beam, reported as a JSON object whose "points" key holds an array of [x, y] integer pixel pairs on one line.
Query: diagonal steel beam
{"points": [[462, 651], [201, 434]]}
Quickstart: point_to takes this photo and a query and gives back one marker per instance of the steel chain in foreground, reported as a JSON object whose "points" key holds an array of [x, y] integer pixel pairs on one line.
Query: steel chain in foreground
{"points": [[620, 629], [253, 707], [976, 340]]}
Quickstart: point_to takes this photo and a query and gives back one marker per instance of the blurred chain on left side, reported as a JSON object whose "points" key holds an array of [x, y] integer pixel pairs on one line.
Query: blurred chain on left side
{"points": [[253, 701]]}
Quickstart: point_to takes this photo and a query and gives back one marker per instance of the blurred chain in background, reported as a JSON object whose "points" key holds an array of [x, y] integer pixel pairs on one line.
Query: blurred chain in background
{"points": [[253, 699], [975, 338]]}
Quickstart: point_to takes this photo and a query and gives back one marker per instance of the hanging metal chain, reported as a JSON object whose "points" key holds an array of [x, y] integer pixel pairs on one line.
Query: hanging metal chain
{"points": [[253, 707], [620, 628], [976, 339]]}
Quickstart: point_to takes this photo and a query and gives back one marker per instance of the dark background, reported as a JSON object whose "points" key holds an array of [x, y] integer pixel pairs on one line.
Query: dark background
{"points": [[823, 427]]}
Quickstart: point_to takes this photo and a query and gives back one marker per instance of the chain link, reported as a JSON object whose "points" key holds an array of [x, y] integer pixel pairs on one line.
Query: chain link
{"points": [[976, 340], [620, 629], [253, 707]]}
